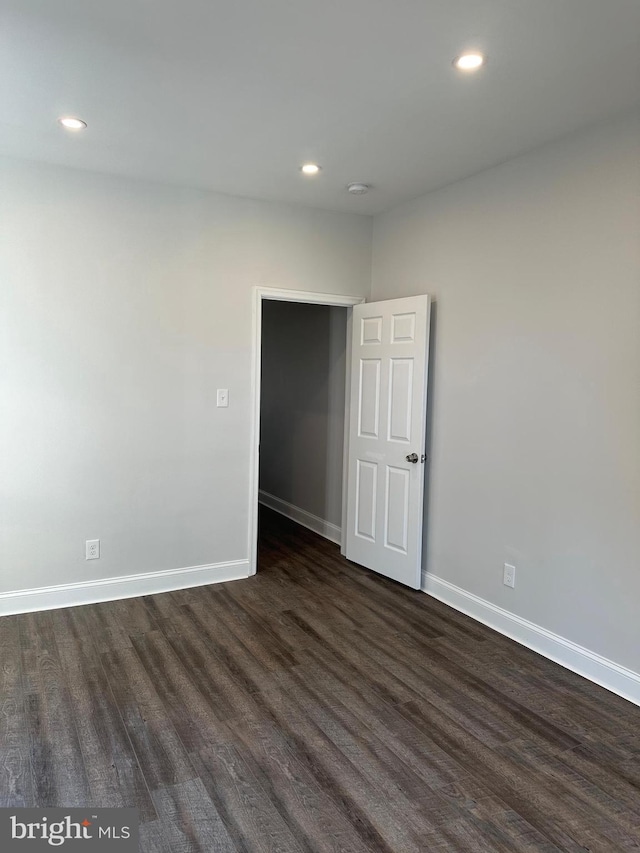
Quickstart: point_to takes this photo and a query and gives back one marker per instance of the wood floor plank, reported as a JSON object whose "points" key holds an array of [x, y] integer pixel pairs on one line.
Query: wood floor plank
{"points": [[560, 818], [58, 768], [113, 772], [193, 717], [154, 837], [253, 821], [434, 766], [587, 797], [209, 654], [403, 788], [16, 781], [345, 771], [313, 816], [101, 623], [516, 716], [318, 751], [160, 752], [409, 683], [407, 743], [191, 821]]}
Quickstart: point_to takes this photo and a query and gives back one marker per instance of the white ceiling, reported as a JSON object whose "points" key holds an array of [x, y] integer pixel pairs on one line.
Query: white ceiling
{"points": [[233, 95]]}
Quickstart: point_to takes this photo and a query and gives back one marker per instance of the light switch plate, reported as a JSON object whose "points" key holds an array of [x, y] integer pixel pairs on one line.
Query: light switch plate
{"points": [[223, 398]]}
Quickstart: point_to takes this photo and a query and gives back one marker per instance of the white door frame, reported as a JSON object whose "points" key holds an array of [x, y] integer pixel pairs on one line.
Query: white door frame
{"points": [[281, 295]]}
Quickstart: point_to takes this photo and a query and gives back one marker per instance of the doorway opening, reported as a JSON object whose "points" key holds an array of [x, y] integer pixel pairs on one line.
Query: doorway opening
{"points": [[302, 413], [301, 391]]}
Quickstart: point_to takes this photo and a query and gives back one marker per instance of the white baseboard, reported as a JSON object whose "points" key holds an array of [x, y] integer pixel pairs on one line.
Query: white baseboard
{"points": [[306, 519], [618, 679], [127, 586]]}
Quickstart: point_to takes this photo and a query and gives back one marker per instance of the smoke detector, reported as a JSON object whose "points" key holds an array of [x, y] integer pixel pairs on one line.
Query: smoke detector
{"points": [[358, 189]]}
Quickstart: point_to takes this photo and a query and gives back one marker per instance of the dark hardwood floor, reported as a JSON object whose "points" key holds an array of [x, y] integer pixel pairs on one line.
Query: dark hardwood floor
{"points": [[315, 707]]}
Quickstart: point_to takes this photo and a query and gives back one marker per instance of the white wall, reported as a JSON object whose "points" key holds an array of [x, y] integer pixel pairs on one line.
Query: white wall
{"points": [[535, 440], [302, 406], [123, 306]]}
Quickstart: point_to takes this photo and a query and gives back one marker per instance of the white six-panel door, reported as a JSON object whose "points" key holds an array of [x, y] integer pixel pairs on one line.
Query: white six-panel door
{"points": [[385, 489]]}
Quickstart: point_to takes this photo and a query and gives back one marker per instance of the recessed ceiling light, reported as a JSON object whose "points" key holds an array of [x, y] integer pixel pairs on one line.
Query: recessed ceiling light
{"points": [[469, 61], [72, 123], [310, 169]]}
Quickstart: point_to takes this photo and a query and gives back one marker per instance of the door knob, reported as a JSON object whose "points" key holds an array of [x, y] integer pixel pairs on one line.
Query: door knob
{"points": [[412, 457]]}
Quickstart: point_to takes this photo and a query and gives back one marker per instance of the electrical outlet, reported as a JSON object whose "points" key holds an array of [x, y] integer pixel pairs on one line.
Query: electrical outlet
{"points": [[92, 549], [509, 577]]}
